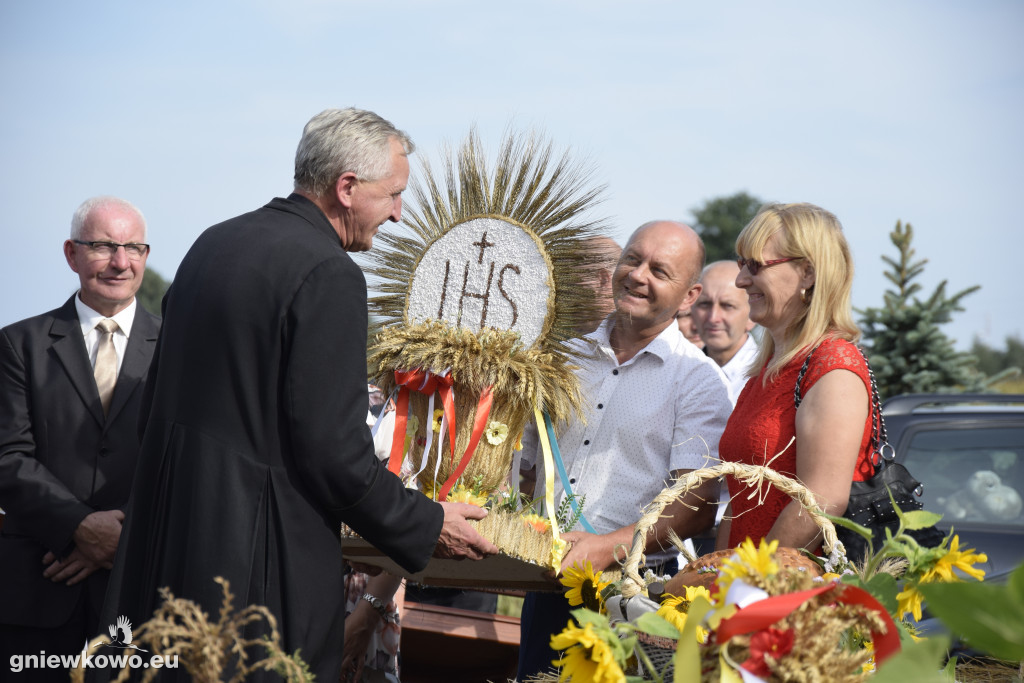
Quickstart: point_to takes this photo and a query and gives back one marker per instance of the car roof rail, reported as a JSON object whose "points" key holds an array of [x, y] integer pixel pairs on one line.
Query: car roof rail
{"points": [[904, 404]]}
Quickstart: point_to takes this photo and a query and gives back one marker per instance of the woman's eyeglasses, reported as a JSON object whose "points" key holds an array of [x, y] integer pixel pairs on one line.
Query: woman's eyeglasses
{"points": [[754, 266]]}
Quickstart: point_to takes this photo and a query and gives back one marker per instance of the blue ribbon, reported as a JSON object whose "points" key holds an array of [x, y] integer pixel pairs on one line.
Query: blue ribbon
{"points": [[563, 475]]}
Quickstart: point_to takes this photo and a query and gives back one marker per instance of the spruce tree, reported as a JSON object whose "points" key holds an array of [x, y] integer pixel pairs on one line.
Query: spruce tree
{"points": [[908, 351]]}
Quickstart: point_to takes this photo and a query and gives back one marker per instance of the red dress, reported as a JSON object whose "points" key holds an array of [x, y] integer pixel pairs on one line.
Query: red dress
{"points": [[762, 425]]}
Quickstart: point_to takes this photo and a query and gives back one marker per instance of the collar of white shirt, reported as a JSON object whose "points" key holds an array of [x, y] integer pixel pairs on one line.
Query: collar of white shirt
{"points": [[89, 318], [661, 346]]}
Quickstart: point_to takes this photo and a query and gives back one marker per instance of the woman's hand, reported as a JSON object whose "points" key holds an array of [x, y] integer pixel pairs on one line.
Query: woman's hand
{"points": [[359, 628]]}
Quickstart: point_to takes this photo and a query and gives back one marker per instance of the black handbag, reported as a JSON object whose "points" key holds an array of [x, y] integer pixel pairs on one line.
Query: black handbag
{"points": [[870, 505]]}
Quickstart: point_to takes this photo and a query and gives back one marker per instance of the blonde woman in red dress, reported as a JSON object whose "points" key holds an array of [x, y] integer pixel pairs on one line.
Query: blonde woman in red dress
{"points": [[796, 268]]}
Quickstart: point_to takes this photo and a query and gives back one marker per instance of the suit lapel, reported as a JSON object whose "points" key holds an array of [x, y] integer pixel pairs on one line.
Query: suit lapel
{"points": [[69, 345], [137, 356]]}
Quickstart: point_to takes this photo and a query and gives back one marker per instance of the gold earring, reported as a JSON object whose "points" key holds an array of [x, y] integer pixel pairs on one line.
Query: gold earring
{"points": [[803, 296]]}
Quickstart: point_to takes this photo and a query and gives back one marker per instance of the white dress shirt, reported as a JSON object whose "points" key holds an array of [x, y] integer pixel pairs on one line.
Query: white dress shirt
{"points": [[662, 410], [736, 369], [89, 318]]}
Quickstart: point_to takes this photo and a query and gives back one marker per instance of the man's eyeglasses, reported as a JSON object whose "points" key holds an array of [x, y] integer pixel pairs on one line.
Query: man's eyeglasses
{"points": [[754, 266], [134, 250]]}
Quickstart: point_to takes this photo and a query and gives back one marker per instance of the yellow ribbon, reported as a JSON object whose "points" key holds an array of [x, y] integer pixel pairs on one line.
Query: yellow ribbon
{"points": [[557, 544]]}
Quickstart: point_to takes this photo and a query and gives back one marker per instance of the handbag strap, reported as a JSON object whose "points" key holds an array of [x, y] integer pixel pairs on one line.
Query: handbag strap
{"points": [[879, 437]]}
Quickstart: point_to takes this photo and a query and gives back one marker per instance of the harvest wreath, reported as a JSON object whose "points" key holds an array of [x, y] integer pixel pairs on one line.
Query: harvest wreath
{"points": [[480, 300]]}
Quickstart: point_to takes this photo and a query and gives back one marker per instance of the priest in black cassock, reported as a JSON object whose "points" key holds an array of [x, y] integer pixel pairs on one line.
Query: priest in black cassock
{"points": [[255, 447]]}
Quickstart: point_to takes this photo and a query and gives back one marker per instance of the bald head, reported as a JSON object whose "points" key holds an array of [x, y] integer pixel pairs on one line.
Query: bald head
{"points": [[693, 245], [722, 313], [657, 275], [720, 271]]}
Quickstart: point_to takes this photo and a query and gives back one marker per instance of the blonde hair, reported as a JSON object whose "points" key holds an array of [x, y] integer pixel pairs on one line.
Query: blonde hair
{"points": [[809, 232]]}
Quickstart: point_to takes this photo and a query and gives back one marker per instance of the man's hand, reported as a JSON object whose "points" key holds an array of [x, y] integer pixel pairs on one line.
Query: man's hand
{"points": [[95, 540], [598, 548], [73, 568], [97, 535], [458, 539]]}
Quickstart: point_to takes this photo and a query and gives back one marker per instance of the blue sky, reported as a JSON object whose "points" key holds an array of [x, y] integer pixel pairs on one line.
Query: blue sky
{"points": [[877, 111]]}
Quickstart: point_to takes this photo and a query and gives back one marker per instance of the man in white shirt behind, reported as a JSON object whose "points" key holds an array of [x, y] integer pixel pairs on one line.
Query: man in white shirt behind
{"points": [[656, 410], [722, 316]]}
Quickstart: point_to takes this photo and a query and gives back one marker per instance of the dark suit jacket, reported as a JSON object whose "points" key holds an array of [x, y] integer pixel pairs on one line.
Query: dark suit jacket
{"points": [[60, 459], [256, 447]]}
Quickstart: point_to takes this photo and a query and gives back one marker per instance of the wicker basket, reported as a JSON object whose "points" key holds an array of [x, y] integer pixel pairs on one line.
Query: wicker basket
{"points": [[660, 650]]}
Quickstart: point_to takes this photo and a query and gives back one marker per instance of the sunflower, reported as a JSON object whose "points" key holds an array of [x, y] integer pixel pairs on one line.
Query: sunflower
{"points": [[964, 560], [496, 433], [675, 607], [587, 656], [747, 562], [910, 602], [584, 586], [436, 425]]}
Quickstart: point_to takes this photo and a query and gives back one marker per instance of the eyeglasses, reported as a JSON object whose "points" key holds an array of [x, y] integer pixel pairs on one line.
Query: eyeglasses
{"points": [[754, 266], [104, 250]]}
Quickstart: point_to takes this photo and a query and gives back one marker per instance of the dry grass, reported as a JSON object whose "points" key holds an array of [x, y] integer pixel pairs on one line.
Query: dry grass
{"points": [[210, 650]]}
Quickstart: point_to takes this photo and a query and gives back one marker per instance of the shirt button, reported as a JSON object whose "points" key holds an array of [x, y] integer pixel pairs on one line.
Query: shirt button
{"points": [[586, 442], [600, 406], [573, 480], [615, 371]]}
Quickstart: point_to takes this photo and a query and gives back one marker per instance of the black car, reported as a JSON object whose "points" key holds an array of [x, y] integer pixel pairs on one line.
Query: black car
{"points": [[968, 452]]}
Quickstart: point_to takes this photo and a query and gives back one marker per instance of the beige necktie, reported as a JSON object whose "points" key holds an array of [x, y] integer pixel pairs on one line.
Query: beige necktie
{"points": [[105, 369]]}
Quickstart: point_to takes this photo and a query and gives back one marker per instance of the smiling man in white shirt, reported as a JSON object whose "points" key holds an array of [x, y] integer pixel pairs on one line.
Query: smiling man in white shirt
{"points": [[657, 407]]}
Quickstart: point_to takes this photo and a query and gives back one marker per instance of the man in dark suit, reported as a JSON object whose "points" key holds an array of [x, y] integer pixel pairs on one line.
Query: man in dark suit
{"points": [[68, 443], [256, 447]]}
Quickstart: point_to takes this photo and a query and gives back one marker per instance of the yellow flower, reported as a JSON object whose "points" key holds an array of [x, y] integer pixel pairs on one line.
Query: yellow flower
{"points": [[750, 561], [910, 602], [747, 562], [956, 559], [436, 426], [584, 586], [674, 608], [536, 522], [497, 432], [869, 666], [461, 494], [587, 657]]}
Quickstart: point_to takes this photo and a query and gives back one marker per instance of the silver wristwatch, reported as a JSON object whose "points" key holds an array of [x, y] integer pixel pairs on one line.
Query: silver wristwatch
{"points": [[378, 605]]}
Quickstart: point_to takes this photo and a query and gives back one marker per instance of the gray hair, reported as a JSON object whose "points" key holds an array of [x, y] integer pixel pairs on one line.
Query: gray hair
{"points": [[338, 141], [81, 214]]}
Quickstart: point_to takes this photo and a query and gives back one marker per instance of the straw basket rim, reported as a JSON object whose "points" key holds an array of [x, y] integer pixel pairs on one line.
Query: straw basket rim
{"points": [[752, 475]]}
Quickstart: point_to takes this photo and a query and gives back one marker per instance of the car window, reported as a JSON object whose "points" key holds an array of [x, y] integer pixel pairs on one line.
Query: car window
{"points": [[970, 475]]}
